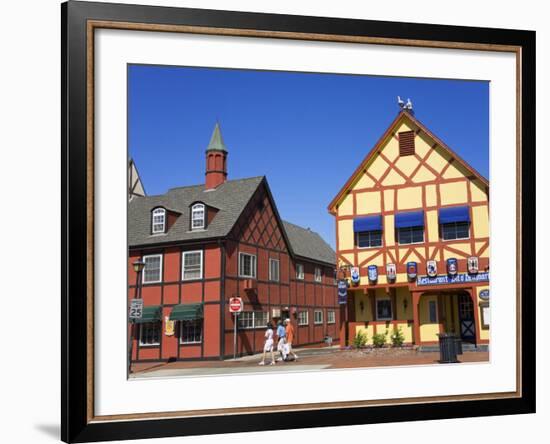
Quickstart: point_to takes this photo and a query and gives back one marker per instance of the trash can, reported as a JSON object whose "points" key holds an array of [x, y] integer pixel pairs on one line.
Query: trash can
{"points": [[447, 348], [458, 344]]}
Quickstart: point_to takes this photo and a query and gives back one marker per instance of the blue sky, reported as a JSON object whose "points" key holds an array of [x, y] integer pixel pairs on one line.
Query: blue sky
{"points": [[306, 132]]}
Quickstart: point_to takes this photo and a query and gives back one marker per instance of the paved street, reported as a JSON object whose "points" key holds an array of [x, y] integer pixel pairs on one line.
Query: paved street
{"points": [[308, 360]]}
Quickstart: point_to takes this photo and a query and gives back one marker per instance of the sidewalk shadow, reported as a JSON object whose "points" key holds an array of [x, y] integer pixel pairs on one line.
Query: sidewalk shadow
{"points": [[52, 430]]}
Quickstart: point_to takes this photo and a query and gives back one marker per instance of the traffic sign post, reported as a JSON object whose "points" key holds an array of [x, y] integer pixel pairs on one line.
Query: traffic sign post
{"points": [[235, 307], [136, 308]]}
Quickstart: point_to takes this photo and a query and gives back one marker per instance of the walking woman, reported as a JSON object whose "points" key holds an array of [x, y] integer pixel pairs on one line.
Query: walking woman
{"points": [[268, 345]]}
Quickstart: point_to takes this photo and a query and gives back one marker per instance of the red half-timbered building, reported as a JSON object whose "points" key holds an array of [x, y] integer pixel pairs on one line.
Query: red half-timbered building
{"points": [[206, 243]]}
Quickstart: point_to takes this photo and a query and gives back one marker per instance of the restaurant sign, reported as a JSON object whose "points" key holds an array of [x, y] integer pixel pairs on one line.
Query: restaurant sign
{"points": [[457, 279]]}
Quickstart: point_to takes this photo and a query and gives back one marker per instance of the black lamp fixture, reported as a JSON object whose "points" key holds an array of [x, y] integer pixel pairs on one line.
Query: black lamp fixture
{"points": [[139, 265]]}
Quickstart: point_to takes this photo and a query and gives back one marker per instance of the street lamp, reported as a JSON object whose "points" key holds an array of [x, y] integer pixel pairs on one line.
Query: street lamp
{"points": [[138, 265]]}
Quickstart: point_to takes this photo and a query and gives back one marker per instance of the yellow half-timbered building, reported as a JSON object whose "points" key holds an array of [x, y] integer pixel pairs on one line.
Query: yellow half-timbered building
{"points": [[412, 239]]}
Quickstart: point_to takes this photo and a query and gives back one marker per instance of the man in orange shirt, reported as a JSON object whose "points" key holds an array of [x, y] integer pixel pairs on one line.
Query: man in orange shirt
{"points": [[289, 338]]}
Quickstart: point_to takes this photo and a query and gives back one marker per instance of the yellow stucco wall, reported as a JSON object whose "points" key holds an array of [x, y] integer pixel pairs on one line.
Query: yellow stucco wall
{"points": [[428, 330], [453, 193], [345, 234], [409, 198], [368, 202], [480, 216]]}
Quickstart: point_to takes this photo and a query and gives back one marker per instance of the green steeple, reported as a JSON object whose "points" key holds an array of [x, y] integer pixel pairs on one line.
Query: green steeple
{"points": [[216, 141]]}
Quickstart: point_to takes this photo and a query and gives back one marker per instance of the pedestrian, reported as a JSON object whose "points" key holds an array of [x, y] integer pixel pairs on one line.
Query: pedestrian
{"points": [[268, 345], [289, 334], [281, 333]]}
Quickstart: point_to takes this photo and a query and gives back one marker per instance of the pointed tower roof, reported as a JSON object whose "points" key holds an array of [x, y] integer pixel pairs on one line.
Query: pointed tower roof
{"points": [[216, 141]]}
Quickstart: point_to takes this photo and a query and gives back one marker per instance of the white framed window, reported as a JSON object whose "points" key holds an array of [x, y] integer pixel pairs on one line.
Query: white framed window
{"points": [[197, 216], [191, 265], [191, 332], [149, 333], [158, 221], [318, 274], [331, 317], [410, 235], [383, 310], [152, 272], [368, 239], [274, 270], [303, 318], [253, 319], [299, 271], [318, 317], [247, 265], [455, 230]]}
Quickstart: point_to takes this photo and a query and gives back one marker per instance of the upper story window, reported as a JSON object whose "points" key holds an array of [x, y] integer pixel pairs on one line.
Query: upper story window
{"points": [[198, 216], [410, 227], [318, 274], [368, 231], [158, 221], [152, 271], [303, 318], [299, 271], [454, 222], [410, 235], [191, 265], [331, 317], [455, 230], [274, 270], [247, 265]]}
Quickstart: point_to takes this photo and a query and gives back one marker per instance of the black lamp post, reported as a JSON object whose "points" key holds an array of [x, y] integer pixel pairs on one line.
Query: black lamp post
{"points": [[138, 265]]}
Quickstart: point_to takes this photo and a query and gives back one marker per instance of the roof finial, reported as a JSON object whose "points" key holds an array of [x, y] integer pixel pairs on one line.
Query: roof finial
{"points": [[405, 106]]}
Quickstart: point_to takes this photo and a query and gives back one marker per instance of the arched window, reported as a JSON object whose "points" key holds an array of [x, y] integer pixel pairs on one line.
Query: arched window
{"points": [[158, 222], [197, 216]]}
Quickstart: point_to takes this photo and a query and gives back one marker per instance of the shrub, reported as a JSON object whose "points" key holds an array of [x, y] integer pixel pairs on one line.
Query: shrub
{"points": [[379, 339], [397, 338], [360, 340]]}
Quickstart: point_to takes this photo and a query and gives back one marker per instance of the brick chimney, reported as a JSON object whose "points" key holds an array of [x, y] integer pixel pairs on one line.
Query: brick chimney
{"points": [[216, 160]]}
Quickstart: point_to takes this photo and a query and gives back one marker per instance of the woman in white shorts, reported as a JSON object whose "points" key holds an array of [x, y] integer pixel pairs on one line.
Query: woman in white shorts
{"points": [[268, 345]]}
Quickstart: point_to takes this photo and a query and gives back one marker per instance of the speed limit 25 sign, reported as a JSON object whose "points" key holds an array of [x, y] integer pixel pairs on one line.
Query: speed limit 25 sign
{"points": [[136, 308]]}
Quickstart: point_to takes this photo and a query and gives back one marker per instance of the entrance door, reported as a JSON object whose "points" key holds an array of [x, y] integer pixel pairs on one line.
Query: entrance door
{"points": [[466, 318]]}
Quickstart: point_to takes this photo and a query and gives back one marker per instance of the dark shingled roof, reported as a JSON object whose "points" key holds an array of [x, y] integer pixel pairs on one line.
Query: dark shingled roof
{"points": [[230, 198], [309, 244]]}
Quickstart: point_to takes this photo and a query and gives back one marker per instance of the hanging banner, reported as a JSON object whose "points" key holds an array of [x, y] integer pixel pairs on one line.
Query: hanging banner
{"points": [[473, 264], [355, 276], [373, 273], [452, 266], [412, 270], [342, 292], [431, 268], [169, 326], [391, 272]]}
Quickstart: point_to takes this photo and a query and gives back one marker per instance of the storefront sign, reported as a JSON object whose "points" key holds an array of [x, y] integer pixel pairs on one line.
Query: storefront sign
{"points": [[473, 264], [355, 276], [458, 279], [484, 295], [373, 273], [431, 268], [412, 270], [169, 326], [391, 272], [342, 291], [452, 266]]}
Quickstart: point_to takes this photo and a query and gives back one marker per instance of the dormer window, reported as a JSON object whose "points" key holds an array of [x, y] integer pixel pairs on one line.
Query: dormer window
{"points": [[158, 222], [197, 216]]}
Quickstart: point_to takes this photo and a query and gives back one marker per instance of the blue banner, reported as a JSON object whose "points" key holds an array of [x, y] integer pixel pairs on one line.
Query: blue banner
{"points": [[342, 292], [458, 279]]}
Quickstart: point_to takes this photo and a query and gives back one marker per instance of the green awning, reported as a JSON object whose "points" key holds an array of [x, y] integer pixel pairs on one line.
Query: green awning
{"points": [[186, 312], [151, 313]]}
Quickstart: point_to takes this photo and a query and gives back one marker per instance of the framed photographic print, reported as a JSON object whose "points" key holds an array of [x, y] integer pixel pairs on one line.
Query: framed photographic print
{"points": [[277, 221]]}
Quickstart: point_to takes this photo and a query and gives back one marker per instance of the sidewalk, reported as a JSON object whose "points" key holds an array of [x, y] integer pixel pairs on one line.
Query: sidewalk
{"points": [[309, 359]]}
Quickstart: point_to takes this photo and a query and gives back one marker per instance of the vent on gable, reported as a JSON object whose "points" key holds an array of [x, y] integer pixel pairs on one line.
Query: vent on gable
{"points": [[406, 143]]}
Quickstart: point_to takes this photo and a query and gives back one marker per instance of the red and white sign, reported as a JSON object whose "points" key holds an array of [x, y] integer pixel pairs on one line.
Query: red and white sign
{"points": [[235, 305]]}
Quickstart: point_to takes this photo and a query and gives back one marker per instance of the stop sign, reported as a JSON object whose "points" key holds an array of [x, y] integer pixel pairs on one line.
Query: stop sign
{"points": [[235, 305]]}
